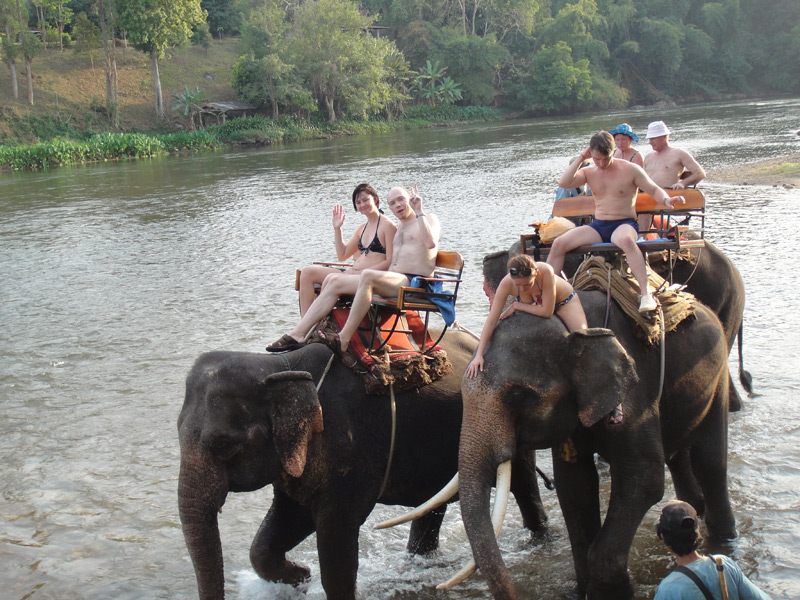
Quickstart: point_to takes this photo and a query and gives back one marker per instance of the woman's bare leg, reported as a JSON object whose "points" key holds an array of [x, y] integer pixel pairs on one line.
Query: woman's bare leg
{"points": [[572, 315], [308, 277], [324, 303]]}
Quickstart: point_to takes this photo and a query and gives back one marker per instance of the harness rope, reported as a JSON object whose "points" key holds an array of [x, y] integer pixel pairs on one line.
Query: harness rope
{"points": [[393, 405]]}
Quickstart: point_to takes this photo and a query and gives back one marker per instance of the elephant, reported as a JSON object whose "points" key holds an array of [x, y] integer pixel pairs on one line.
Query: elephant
{"points": [[712, 278], [250, 420], [543, 387]]}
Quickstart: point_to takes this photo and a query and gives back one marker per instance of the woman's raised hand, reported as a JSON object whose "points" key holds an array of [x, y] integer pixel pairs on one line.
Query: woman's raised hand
{"points": [[338, 216]]}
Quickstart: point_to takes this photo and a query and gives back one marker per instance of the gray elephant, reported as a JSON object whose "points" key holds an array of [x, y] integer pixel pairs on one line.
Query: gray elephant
{"points": [[710, 276], [545, 388], [250, 420]]}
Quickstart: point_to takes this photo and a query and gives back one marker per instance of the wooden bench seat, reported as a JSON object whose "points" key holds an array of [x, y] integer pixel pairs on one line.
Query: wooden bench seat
{"points": [[449, 268], [665, 234]]}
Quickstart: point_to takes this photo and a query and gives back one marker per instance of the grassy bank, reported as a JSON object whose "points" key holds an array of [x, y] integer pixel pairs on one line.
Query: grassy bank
{"points": [[68, 124], [257, 130]]}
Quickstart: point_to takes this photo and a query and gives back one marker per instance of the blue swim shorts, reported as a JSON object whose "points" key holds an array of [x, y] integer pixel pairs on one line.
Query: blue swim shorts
{"points": [[606, 228]]}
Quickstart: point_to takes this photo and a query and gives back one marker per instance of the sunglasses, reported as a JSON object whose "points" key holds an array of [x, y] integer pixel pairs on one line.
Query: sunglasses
{"points": [[520, 271]]}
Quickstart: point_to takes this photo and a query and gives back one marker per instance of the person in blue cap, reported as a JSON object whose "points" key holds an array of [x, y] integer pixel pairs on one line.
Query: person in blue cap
{"points": [[624, 137]]}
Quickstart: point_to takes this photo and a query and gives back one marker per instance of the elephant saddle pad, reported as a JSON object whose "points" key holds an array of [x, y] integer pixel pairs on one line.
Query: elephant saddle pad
{"points": [[598, 273], [402, 364]]}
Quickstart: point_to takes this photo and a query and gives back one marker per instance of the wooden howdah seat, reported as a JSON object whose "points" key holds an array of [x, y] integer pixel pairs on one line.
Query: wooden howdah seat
{"points": [[664, 235], [449, 267]]}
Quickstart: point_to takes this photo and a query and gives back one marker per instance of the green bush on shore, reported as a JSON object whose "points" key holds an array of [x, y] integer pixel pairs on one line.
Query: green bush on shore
{"points": [[73, 147]]}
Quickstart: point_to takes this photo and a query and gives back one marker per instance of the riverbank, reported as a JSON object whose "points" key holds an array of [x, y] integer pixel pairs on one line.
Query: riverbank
{"points": [[783, 172]]}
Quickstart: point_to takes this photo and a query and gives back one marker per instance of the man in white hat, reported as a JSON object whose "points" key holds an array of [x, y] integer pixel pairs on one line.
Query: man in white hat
{"points": [[666, 165]]}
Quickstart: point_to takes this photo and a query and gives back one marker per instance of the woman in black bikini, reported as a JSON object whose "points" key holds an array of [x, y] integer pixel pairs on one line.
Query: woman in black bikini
{"points": [[538, 292], [374, 254]]}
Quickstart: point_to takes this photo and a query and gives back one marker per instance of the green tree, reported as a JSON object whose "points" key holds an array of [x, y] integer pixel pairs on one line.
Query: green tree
{"points": [[449, 91], [223, 14], [202, 36], [428, 80], [9, 23], [473, 61], [268, 81], [559, 83], [153, 26], [107, 17], [87, 36], [189, 104], [336, 56], [30, 48]]}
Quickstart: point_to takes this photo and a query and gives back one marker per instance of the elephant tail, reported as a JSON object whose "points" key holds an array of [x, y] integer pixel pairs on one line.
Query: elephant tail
{"points": [[744, 376]]}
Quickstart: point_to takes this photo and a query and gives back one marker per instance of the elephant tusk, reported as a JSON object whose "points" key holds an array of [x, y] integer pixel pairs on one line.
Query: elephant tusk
{"points": [[503, 487], [463, 574], [447, 492]]}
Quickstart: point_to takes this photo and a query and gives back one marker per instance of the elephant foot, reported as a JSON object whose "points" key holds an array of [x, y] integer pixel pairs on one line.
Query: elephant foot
{"points": [[605, 591], [284, 571], [724, 529]]}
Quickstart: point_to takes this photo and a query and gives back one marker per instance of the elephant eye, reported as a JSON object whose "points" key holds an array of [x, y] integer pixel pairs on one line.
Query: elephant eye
{"points": [[224, 448]]}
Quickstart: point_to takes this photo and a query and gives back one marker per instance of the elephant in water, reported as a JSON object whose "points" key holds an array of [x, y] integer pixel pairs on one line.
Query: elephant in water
{"points": [[250, 420], [712, 278], [543, 387]]}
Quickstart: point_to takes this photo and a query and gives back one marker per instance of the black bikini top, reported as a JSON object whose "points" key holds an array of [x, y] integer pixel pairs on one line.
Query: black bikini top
{"points": [[375, 245]]}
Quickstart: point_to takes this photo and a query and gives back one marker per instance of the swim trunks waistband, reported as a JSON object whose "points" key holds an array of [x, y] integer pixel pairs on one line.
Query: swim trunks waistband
{"points": [[607, 228]]}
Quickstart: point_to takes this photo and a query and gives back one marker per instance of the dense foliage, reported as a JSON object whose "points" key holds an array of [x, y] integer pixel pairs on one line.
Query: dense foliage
{"points": [[540, 56], [362, 59]]}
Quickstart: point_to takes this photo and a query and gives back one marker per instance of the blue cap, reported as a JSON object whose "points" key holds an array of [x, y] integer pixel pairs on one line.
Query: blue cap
{"points": [[625, 129]]}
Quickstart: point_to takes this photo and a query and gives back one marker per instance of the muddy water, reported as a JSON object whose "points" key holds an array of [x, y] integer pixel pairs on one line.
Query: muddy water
{"points": [[116, 276]]}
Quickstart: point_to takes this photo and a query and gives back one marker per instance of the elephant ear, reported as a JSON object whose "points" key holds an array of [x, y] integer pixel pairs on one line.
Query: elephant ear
{"points": [[601, 371], [296, 416]]}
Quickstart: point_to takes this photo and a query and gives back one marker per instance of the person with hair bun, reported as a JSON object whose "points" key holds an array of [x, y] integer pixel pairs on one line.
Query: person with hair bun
{"points": [[538, 292]]}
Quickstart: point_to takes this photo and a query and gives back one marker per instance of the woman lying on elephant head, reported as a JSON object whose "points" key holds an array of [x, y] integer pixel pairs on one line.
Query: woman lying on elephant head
{"points": [[538, 292]]}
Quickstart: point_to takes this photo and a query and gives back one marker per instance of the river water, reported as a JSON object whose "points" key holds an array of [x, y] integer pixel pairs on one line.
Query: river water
{"points": [[116, 276]]}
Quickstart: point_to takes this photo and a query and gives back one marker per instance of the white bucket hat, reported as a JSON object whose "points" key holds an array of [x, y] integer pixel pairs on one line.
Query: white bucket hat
{"points": [[657, 129]]}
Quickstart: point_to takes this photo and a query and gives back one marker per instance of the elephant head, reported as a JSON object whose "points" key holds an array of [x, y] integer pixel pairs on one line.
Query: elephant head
{"points": [[540, 384], [241, 427]]}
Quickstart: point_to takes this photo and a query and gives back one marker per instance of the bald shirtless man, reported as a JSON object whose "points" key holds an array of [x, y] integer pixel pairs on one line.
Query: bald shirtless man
{"points": [[414, 253], [665, 163], [614, 183]]}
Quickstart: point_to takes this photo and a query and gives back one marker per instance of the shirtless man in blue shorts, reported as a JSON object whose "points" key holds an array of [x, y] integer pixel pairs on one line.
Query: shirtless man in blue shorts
{"points": [[614, 184]]}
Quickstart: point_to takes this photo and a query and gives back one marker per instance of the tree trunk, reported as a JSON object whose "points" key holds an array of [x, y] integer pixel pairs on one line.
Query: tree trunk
{"points": [[157, 83], [115, 90], [14, 85], [29, 79], [106, 17], [329, 106], [12, 67], [274, 102]]}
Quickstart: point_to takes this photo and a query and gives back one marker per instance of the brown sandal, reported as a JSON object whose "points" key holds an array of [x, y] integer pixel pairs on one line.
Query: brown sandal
{"points": [[331, 339], [284, 343]]}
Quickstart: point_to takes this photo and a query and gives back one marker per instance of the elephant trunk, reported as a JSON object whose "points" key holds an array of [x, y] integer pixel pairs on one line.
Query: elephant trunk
{"points": [[202, 488], [503, 487], [487, 441]]}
